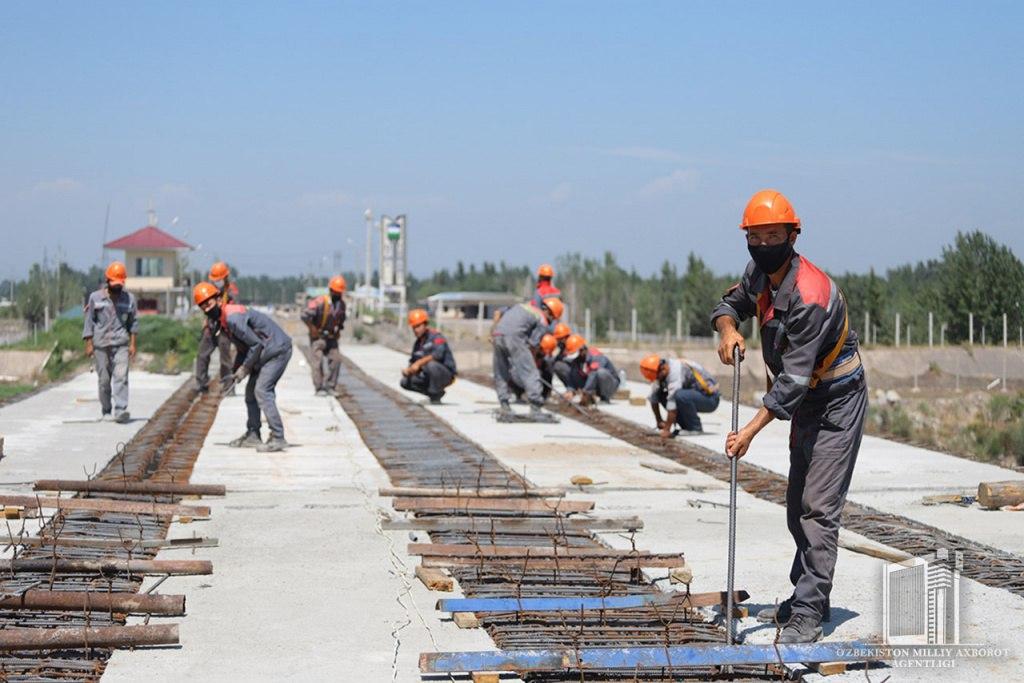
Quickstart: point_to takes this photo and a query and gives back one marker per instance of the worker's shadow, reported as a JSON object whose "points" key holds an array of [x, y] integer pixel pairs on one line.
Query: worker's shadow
{"points": [[840, 615]]}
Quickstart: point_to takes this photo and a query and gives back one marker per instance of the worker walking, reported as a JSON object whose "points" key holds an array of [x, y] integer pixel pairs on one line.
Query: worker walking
{"points": [[816, 382], [592, 375], [210, 338], [684, 388], [515, 337], [262, 354], [431, 366], [109, 330], [325, 319], [545, 290]]}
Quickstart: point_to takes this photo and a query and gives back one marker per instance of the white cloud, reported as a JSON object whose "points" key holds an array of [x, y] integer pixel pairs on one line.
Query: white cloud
{"points": [[328, 199], [644, 153], [560, 193], [58, 186], [678, 181]]}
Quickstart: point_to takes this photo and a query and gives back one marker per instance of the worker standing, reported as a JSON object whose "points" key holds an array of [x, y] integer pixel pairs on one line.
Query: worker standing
{"points": [[431, 366], [516, 335], [684, 388], [592, 375], [816, 382], [325, 319], [210, 338], [545, 290], [262, 354], [109, 330]]}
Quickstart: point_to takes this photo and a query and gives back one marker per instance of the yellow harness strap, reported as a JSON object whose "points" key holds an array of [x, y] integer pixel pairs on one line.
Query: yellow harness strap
{"points": [[827, 361], [703, 383], [327, 311]]}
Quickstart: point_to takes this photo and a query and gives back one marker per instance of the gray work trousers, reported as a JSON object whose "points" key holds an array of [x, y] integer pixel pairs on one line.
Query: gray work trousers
{"points": [[606, 383], [513, 361], [325, 349], [431, 380], [207, 343], [823, 443], [112, 373], [260, 393]]}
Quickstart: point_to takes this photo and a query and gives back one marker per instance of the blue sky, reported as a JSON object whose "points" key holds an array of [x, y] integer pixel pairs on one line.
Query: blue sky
{"points": [[514, 131]]}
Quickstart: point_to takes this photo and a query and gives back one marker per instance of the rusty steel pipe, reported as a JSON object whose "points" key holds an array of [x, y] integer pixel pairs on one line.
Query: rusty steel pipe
{"points": [[80, 638], [109, 566], [131, 507], [124, 603], [114, 486]]}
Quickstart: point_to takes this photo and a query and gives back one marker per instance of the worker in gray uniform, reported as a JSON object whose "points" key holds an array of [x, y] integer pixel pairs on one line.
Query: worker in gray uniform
{"points": [[515, 337], [325, 319], [109, 330], [210, 338], [262, 354], [431, 366], [592, 375], [684, 388], [816, 382]]}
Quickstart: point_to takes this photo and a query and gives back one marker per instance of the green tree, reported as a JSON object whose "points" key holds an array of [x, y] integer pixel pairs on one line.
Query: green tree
{"points": [[982, 277]]}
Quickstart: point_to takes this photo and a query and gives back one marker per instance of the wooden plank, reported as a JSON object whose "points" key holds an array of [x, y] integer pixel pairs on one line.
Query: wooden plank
{"points": [[465, 620], [131, 507], [995, 494], [830, 668], [485, 677], [565, 563], [514, 524], [493, 504], [434, 579], [468, 492], [471, 550]]}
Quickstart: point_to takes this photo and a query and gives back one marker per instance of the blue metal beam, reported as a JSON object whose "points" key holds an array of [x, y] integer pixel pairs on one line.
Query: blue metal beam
{"points": [[651, 657]]}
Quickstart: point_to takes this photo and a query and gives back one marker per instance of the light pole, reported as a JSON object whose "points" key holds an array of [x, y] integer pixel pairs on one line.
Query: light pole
{"points": [[368, 215]]}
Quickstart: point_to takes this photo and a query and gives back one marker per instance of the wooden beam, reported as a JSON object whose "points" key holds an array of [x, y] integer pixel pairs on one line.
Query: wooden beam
{"points": [[558, 563], [130, 507], [493, 504], [471, 550], [434, 579], [995, 494], [468, 492], [540, 525]]}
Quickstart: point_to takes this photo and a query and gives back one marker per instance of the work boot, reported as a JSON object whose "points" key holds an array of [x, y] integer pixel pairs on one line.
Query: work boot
{"points": [[801, 629], [767, 616], [274, 444], [105, 417], [247, 440], [436, 399], [321, 392], [123, 417], [505, 408], [203, 388]]}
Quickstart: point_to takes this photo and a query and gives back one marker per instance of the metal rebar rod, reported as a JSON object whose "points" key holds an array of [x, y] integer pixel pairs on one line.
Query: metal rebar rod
{"points": [[114, 486], [730, 624]]}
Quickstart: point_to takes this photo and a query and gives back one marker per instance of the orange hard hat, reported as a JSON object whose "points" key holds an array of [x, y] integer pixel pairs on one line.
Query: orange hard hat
{"points": [[561, 331], [768, 207], [649, 366], [555, 306], [116, 273], [219, 271], [337, 284], [418, 316], [574, 343], [548, 344], [545, 270], [204, 291]]}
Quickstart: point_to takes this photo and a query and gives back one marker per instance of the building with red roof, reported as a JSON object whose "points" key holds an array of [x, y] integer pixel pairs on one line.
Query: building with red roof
{"points": [[153, 259]]}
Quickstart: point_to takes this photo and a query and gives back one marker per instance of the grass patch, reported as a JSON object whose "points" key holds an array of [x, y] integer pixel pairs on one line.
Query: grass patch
{"points": [[13, 389]]}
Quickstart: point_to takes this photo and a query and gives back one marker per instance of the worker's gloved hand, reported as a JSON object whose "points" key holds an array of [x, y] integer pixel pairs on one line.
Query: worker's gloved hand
{"points": [[318, 343], [241, 373]]}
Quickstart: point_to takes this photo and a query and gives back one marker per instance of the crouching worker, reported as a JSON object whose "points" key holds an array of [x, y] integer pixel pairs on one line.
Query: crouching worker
{"points": [[684, 388], [591, 374], [262, 354], [431, 364]]}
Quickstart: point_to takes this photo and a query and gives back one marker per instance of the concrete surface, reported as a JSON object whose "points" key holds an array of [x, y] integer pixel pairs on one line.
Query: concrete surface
{"points": [[551, 454], [306, 586]]}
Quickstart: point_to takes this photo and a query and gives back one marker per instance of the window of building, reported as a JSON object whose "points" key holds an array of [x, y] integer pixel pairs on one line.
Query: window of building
{"points": [[149, 267]]}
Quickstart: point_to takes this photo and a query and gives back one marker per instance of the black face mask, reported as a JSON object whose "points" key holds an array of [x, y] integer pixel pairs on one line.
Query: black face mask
{"points": [[335, 297], [769, 258], [115, 290], [213, 313]]}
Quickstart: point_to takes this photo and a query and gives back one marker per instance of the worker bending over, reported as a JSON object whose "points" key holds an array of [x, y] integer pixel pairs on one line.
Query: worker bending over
{"points": [[431, 364], [592, 375], [515, 337], [109, 330], [684, 388], [816, 382], [210, 338], [325, 319], [262, 354]]}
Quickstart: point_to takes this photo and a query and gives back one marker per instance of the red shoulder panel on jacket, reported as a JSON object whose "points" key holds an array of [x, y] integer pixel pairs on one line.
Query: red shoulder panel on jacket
{"points": [[812, 284]]}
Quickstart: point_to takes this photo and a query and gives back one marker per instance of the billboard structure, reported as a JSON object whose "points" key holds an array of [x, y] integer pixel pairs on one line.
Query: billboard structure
{"points": [[393, 264]]}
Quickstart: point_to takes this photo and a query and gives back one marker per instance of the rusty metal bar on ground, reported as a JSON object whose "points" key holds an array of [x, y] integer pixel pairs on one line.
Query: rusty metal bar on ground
{"points": [[114, 486], [482, 550], [493, 504], [468, 492], [132, 507], [109, 566], [124, 603], [128, 543], [539, 525], [92, 637]]}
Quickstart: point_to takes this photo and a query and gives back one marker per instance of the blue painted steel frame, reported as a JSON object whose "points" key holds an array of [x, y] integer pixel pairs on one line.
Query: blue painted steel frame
{"points": [[651, 657], [554, 604]]}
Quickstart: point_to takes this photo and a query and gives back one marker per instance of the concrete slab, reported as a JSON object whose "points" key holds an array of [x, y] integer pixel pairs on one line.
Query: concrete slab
{"points": [[551, 454], [305, 586]]}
